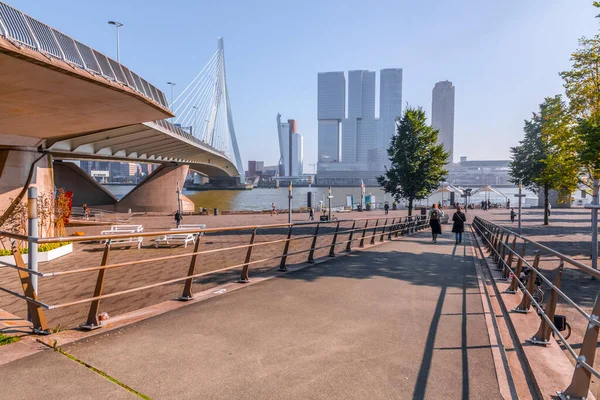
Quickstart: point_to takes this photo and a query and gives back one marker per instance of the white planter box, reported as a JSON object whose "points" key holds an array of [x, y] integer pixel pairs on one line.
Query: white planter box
{"points": [[43, 257]]}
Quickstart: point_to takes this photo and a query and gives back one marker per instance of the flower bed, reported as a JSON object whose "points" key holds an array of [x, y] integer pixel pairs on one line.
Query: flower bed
{"points": [[46, 252]]}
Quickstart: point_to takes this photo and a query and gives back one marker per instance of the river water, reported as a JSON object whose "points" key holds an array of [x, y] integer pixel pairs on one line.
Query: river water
{"points": [[261, 199]]}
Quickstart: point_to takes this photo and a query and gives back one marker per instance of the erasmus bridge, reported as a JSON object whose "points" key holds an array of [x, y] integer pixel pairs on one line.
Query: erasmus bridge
{"points": [[61, 100]]}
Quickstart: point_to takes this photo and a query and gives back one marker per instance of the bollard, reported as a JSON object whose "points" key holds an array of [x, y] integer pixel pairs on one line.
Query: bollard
{"points": [[332, 248], [349, 244], [282, 266], [34, 311], [525, 304], [374, 231], [514, 286], [362, 239], [542, 336], [311, 254], [92, 319], [187, 288], [244, 276], [580, 383]]}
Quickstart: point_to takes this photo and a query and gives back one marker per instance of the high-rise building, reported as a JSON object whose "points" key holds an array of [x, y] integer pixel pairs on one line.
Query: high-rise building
{"points": [[359, 130], [331, 110], [255, 168], [442, 115], [390, 108], [290, 148]]}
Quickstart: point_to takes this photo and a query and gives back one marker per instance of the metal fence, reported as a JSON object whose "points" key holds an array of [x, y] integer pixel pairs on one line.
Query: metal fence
{"points": [[362, 230], [506, 247], [24, 31]]}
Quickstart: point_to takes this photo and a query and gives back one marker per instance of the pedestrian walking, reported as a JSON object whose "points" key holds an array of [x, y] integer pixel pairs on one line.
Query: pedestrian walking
{"points": [[86, 211], [273, 209], [549, 208], [458, 224], [386, 207], [513, 214], [311, 214], [178, 218], [435, 215]]}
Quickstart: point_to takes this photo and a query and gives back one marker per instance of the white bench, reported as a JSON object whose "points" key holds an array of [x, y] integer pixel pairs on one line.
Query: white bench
{"points": [[175, 239], [119, 229], [188, 227]]}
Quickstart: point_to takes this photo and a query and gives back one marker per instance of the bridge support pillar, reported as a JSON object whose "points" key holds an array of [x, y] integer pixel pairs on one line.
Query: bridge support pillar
{"points": [[158, 192], [85, 189]]}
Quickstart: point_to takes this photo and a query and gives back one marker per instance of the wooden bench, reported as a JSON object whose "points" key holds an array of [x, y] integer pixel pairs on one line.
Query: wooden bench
{"points": [[119, 229]]}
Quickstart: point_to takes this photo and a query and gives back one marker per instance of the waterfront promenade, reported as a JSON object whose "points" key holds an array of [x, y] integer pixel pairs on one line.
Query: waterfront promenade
{"points": [[401, 320]]}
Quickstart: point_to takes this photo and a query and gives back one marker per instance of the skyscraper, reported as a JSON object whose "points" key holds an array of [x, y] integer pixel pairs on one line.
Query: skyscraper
{"points": [[290, 148], [331, 110], [359, 130], [442, 115], [390, 107]]}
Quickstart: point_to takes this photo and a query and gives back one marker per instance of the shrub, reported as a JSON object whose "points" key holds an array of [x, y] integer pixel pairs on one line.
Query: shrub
{"points": [[42, 248]]}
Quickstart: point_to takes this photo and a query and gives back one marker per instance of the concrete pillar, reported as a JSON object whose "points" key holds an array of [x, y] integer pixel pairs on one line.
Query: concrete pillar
{"points": [[86, 190], [14, 169], [158, 192]]}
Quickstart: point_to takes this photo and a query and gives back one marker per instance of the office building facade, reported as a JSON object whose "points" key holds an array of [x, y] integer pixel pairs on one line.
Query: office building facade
{"points": [[331, 110], [290, 148], [442, 115]]}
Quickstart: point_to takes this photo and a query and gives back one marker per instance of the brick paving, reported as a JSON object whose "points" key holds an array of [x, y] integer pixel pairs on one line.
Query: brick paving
{"points": [[67, 288]]}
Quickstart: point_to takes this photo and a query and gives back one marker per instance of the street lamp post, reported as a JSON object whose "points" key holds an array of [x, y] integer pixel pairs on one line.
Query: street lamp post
{"points": [[594, 207], [178, 198], [290, 197], [171, 84], [520, 196], [117, 25], [329, 197]]}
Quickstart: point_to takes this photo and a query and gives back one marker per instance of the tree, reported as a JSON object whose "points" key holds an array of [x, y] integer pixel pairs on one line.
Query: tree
{"points": [[546, 158], [417, 161]]}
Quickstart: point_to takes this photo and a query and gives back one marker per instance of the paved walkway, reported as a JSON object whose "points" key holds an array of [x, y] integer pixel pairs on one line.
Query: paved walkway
{"points": [[401, 320]]}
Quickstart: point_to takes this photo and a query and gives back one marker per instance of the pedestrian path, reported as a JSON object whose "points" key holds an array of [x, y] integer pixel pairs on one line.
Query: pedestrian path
{"points": [[400, 320]]}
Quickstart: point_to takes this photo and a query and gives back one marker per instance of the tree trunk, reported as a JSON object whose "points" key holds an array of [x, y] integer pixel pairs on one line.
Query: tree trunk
{"points": [[546, 202], [410, 207]]}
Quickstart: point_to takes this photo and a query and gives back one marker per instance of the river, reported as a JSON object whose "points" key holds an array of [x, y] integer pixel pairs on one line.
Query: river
{"points": [[261, 199]]}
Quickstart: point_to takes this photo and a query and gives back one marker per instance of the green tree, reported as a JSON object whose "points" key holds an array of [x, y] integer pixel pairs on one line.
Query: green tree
{"points": [[417, 161], [546, 158]]}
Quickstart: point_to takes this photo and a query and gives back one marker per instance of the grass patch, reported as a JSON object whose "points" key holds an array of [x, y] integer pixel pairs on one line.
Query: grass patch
{"points": [[8, 339]]}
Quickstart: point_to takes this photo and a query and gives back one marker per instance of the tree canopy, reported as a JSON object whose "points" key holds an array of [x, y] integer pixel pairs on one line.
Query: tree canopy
{"points": [[417, 160]]}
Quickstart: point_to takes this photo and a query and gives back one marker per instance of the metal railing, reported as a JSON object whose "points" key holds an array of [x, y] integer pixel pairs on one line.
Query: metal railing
{"points": [[24, 31], [503, 251], [371, 229]]}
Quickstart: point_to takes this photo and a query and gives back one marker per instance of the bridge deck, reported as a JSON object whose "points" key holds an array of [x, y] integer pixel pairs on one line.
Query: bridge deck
{"points": [[400, 320]]}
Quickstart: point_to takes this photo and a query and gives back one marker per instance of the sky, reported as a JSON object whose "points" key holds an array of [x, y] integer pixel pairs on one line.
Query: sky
{"points": [[503, 57]]}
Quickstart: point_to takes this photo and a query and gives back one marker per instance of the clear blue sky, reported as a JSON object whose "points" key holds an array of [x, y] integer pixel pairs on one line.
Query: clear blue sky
{"points": [[502, 56]]}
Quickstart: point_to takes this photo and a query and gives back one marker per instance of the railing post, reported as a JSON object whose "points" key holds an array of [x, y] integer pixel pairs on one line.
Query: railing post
{"points": [[501, 260], [508, 265], [542, 336], [525, 304], [92, 319], [187, 288], [497, 248], [374, 231], [383, 230], [35, 312], [332, 248], [514, 286], [400, 227], [282, 266], [362, 239], [580, 383], [311, 254], [391, 230], [244, 276], [349, 244]]}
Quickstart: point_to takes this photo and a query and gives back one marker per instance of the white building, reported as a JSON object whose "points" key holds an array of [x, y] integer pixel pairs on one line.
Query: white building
{"points": [[331, 110], [442, 115], [291, 151]]}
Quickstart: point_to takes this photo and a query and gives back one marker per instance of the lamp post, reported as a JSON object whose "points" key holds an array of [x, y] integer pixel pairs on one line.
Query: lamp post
{"points": [[117, 25], [329, 197], [594, 207], [290, 197], [520, 196], [171, 84], [178, 198]]}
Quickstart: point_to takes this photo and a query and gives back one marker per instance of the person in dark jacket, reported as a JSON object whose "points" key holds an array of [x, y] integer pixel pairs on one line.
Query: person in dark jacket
{"points": [[435, 215], [458, 225]]}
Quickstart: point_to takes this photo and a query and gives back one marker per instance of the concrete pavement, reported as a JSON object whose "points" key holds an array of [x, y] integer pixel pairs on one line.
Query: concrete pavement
{"points": [[401, 320]]}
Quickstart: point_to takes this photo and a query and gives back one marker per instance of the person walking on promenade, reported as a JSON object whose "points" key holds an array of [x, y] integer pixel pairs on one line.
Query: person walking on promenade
{"points": [[386, 207], [458, 224], [311, 214], [178, 218], [273, 209], [513, 214], [435, 215]]}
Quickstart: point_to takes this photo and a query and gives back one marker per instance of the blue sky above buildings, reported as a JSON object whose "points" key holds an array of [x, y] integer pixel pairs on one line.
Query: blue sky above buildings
{"points": [[503, 57]]}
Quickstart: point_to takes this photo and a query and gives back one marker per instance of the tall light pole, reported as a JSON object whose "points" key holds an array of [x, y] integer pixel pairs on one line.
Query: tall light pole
{"points": [[329, 197], [117, 25], [290, 197], [520, 196], [172, 84], [594, 208]]}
